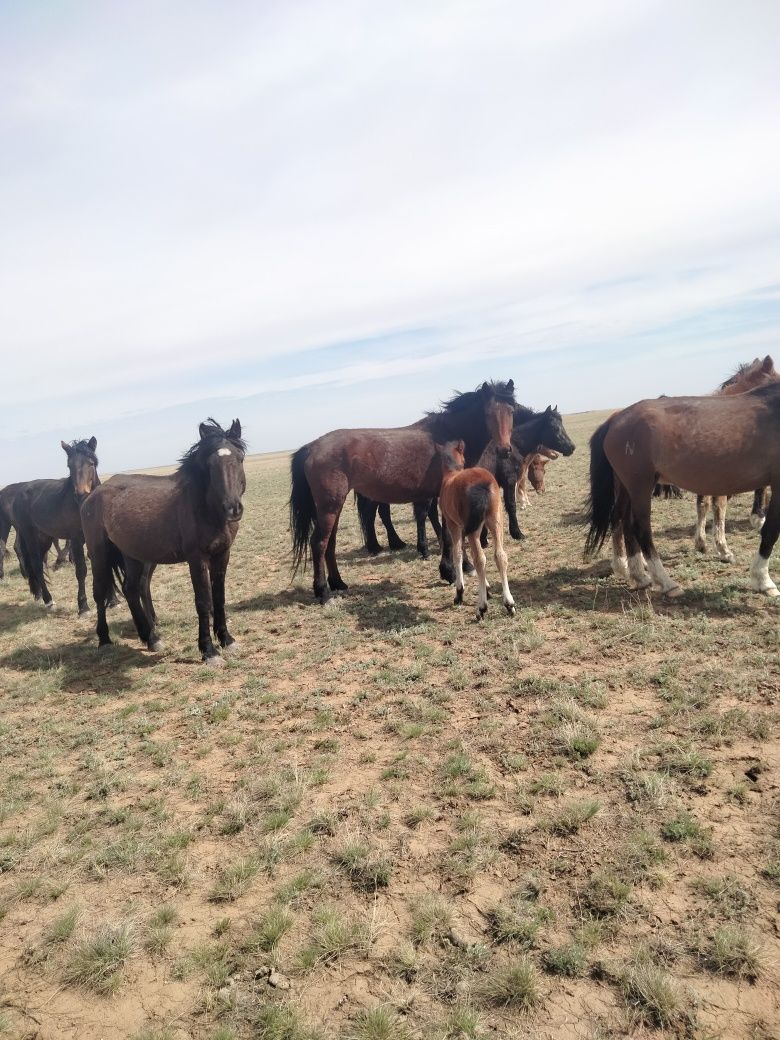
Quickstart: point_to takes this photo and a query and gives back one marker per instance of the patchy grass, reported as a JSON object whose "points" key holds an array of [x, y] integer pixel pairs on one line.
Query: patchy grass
{"points": [[98, 959]]}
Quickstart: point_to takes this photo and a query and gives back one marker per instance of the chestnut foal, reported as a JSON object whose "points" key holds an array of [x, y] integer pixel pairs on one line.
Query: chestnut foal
{"points": [[470, 499]]}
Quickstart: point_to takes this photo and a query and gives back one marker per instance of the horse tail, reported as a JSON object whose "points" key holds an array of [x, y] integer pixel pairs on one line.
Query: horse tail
{"points": [[601, 501], [478, 498], [303, 510], [117, 563], [667, 491]]}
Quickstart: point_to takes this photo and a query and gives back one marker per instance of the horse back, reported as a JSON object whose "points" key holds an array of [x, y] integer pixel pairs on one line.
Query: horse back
{"points": [[141, 516], [50, 506]]}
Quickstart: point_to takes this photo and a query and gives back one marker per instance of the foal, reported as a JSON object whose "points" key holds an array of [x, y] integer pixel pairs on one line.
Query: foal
{"points": [[470, 499]]}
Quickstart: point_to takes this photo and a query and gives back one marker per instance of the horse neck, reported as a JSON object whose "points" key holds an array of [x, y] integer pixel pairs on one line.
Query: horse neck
{"points": [[526, 436], [468, 426]]}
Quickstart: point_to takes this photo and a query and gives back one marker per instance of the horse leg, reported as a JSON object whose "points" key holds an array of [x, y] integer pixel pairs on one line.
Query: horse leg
{"points": [[480, 563], [759, 569], [35, 546], [700, 534], [218, 567], [134, 576], [394, 541], [497, 534], [367, 509], [146, 595], [456, 535], [719, 505], [468, 566], [65, 554], [102, 588], [483, 541], [446, 566], [510, 504], [641, 498], [335, 581], [619, 521], [433, 516], [757, 513], [420, 513], [638, 576], [201, 586], [77, 548]]}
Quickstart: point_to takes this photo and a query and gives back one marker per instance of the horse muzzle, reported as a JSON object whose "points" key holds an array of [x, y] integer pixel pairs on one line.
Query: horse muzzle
{"points": [[234, 511]]}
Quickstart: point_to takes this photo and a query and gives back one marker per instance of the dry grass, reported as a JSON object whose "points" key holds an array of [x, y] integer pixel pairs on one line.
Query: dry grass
{"points": [[382, 819]]}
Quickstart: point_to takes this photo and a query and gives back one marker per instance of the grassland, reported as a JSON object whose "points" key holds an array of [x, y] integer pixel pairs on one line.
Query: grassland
{"points": [[383, 820]]}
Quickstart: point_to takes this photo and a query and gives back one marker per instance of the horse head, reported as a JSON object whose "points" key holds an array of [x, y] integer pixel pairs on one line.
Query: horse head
{"points": [[82, 466]]}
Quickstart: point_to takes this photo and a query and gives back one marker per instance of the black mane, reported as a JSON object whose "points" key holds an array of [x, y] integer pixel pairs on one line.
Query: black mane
{"points": [[461, 402], [523, 414], [83, 448], [463, 417], [191, 463]]}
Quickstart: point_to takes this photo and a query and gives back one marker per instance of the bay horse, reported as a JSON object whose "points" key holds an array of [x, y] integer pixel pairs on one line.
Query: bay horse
{"points": [[717, 445], [399, 464], [534, 464], [44, 510], [134, 522], [470, 501], [759, 372]]}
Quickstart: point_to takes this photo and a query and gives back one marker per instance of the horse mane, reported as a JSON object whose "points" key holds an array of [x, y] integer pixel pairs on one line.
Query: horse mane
{"points": [[191, 463], [83, 448], [461, 402], [743, 370], [523, 414]]}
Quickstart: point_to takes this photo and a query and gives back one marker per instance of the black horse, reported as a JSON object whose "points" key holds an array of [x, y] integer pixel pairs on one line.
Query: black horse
{"points": [[133, 523], [44, 510], [368, 510]]}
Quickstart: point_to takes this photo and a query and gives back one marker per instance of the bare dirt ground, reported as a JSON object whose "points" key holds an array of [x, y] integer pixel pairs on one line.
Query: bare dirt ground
{"points": [[384, 820]]}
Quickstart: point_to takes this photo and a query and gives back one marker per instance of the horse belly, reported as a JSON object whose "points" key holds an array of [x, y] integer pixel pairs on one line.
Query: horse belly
{"points": [[143, 531], [408, 472]]}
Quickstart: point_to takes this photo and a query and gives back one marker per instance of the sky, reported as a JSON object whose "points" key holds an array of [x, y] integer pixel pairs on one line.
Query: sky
{"points": [[331, 213]]}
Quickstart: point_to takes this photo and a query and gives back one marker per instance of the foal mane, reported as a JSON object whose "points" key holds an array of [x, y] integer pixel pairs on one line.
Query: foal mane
{"points": [[191, 463]]}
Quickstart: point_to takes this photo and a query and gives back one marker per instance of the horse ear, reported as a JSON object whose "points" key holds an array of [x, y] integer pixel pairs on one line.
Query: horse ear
{"points": [[65, 447], [92, 443], [768, 364], [485, 388], [511, 385], [235, 430], [548, 410], [204, 430]]}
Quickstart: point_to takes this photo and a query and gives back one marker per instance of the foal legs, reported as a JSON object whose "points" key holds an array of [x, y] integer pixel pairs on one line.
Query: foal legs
{"points": [[759, 569], [456, 537], [496, 526], [478, 556], [700, 534]]}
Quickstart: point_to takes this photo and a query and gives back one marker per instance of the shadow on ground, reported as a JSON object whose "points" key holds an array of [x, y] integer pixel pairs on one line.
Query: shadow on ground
{"points": [[85, 668]]}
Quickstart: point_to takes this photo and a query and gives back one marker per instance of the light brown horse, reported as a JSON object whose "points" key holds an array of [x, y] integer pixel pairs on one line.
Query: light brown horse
{"points": [[533, 470], [759, 372], [470, 500], [388, 465], [719, 445]]}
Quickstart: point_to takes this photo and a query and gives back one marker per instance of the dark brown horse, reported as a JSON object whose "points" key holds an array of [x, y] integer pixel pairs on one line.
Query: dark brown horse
{"points": [[400, 464], [132, 523], [470, 501], [47, 509], [759, 372], [368, 510], [720, 445]]}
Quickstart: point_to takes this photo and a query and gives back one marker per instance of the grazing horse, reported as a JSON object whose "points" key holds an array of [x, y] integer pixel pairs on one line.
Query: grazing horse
{"points": [[134, 522], [718, 445], [7, 498], [388, 465], [47, 509], [747, 377], [470, 501]]}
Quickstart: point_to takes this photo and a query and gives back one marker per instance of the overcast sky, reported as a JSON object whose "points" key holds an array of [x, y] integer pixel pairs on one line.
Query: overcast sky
{"points": [[311, 215]]}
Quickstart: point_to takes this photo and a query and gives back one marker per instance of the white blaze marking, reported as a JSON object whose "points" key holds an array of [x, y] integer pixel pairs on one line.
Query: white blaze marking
{"points": [[224, 451]]}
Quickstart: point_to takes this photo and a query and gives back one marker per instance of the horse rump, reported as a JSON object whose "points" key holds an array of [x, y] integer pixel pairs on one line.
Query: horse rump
{"points": [[601, 499], [478, 499]]}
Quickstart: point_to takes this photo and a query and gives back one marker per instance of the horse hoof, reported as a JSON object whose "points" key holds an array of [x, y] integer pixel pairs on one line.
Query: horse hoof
{"points": [[756, 521], [481, 611], [215, 661], [83, 611], [155, 646], [397, 545], [727, 557], [458, 597], [373, 550], [232, 648], [105, 646], [674, 592], [774, 591], [50, 605], [510, 609]]}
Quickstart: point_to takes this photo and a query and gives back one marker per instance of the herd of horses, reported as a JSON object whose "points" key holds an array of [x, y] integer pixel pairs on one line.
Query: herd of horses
{"points": [[466, 458]]}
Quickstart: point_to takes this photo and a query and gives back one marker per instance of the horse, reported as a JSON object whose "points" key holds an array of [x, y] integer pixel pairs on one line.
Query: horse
{"points": [[62, 554], [43, 510], [470, 501], [7, 498], [716, 445], [134, 522], [759, 372], [534, 464], [530, 431], [367, 512], [399, 464]]}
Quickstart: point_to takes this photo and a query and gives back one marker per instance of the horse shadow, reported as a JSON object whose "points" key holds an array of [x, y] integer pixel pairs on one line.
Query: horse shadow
{"points": [[13, 616], [84, 668], [379, 606]]}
